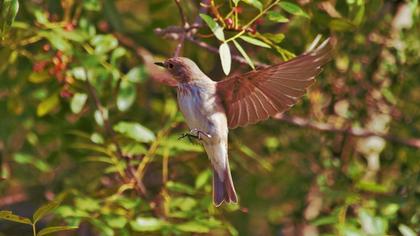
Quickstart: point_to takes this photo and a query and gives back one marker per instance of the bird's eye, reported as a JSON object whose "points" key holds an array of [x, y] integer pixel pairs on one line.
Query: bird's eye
{"points": [[170, 65]]}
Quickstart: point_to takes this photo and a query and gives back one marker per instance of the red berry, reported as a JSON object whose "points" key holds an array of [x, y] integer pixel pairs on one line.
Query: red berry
{"points": [[39, 66], [69, 27], [66, 93], [229, 21], [46, 47], [238, 9]]}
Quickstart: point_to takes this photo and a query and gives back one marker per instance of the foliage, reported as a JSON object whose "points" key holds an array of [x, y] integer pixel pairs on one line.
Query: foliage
{"points": [[84, 115]]}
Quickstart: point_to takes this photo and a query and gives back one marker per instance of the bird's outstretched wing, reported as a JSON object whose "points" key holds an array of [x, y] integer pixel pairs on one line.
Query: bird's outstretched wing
{"points": [[257, 95]]}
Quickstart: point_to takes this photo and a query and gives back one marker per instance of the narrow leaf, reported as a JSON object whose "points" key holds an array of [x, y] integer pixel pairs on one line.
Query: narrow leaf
{"points": [[293, 9], [254, 41], [255, 3], [243, 53], [54, 229], [45, 209], [214, 27], [47, 105], [8, 215], [225, 57], [146, 224], [9, 10], [406, 231], [276, 17]]}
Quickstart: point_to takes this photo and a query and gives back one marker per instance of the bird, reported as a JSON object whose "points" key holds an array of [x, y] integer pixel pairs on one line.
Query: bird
{"points": [[211, 108]]}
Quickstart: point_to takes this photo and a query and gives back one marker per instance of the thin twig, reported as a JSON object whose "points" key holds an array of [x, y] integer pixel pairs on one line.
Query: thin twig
{"points": [[184, 27]]}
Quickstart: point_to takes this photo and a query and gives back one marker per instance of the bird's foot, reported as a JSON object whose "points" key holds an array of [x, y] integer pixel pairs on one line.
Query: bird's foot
{"points": [[195, 134], [201, 135]]}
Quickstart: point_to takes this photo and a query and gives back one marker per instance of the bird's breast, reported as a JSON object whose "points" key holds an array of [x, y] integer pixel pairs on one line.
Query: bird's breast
{"points": [[191, 103]]}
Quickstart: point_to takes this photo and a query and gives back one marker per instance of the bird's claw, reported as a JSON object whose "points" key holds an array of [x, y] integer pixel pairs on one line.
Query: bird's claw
{"points": [[196, 134]]}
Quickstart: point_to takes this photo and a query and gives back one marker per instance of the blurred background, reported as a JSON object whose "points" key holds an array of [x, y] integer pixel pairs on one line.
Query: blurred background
{"points": [[89, 126]]}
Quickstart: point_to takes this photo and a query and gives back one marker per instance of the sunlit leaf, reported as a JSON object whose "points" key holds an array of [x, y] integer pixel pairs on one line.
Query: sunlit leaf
{"points": [[146, 224], [8, 215], [77, 102], [254, 41], [54, 229], [276, 38], [47, 105], [193, 227], [243, 53], [116, 221], [341, 25], [180, 187], [292, 9], [135, 131], [39, 77], [214, 27], [45, 209], [41, 165], [136, 75], [406, 231], [126, 95], [202, 179], [9, 10], [255, 3], [104, 43], [225, 57], [277, 17]]}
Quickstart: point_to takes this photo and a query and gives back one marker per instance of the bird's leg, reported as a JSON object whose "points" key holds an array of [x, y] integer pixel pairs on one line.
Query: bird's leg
{"points": [[201, 135], [188, 135]]}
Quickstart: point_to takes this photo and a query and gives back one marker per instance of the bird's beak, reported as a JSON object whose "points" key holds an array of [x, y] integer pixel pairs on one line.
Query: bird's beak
{"points": [[160, 64]]}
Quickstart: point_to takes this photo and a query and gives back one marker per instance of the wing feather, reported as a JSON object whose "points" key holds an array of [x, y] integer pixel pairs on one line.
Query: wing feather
{"points": [[257, 95]]}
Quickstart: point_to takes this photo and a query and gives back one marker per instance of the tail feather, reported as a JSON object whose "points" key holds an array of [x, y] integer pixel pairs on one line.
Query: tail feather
{"points": [[223, 190]]}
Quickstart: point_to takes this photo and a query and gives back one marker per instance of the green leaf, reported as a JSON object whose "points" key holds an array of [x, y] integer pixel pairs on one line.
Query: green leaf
{"points": [[23, 158], [39, 77], [115, 221], [276, 17], [126, 95], [47, 105], [276, 38], [136, 75], [8, 215], [214, 27], [104, 43], [45, 209], [225, 57], [57, 41], [341, 25], [193, 227], [135, 131], [77, 102], [9, 10], [146, 224], [254, 41], [406, 231], [293, 9], [87, 204], [243, 53], [53, 229], [255, 3], [202, 179], [179, 187]]}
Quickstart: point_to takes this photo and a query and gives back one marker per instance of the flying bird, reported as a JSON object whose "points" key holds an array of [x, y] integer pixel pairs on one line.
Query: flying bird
{"points": [[210, 108]]}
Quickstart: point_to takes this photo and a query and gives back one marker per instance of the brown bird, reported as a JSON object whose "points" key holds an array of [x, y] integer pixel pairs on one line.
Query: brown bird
{"points": [[211, 107]]}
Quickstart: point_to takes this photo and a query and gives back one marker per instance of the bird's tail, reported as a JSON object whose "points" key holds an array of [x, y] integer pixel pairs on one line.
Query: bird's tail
{"points": [[223, 188]]}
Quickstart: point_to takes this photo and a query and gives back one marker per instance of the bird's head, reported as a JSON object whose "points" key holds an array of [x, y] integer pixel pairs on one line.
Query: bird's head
{"points": [[181, 68]]}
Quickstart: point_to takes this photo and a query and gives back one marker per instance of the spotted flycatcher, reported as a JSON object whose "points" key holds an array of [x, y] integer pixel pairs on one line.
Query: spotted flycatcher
{"points": [[211, 107]]}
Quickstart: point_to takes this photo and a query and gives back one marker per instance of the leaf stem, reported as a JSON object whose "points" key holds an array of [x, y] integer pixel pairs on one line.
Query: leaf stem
{"points": [[33, 229], [252, 21]]}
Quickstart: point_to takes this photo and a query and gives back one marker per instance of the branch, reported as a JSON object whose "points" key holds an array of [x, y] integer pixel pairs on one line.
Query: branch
{"points": [[356, 132], [184, 27]]}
